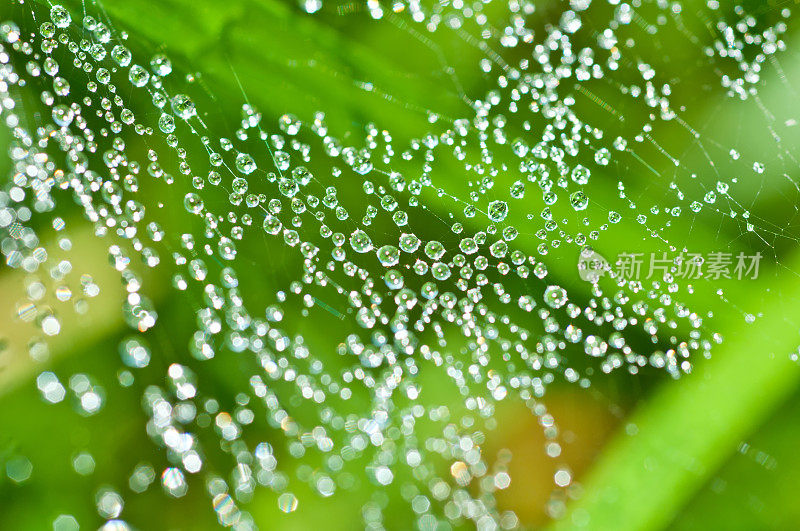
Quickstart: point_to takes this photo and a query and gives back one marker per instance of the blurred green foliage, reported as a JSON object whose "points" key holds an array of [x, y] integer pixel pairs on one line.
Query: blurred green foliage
{"points": [[686, 465]]}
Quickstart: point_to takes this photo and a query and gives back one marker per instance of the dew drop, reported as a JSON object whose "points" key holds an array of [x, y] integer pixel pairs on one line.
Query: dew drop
{"points": [[63, 115], [121, 55], [579, 200], [161, 65], [226, 248], [60, 16], [555, 296], [498, 210], [389, 255], [138, 76], [183, 107], [245, 163], [360, 241]]}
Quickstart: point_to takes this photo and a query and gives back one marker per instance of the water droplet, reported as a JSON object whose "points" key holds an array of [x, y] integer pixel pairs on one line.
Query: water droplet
{"points": [[579, 200], [409, 243], [161, 65], [166, 123], [498, 210], [121, 55], [434, 249], [602, 156], [468, 246], [182, 106], [555, 296], [389, 255], [517, 190], [227, 249], [60, 16], [138, 76], [193, 203], [245, 163], [63, 115], [580, 174], [360, 241]]}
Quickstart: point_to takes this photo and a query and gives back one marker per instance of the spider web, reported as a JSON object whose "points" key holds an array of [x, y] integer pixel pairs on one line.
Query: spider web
{"points": [[349, 301]]}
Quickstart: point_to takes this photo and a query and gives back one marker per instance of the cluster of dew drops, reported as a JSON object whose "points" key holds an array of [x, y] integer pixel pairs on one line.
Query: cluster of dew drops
{"points": [[405, 273]]}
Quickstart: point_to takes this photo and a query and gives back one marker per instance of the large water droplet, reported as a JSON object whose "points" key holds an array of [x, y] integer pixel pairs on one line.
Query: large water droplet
{"points": [[193, 203], [138, 76], [555, 296], [579, 200], [245, 163], [226, 248], [63, 115], [389, 255], [498, 210], [60, 16], [360, 241], [183, 107], [161, 65]]}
